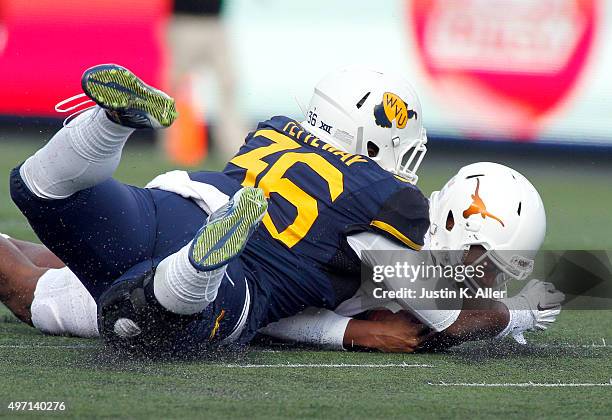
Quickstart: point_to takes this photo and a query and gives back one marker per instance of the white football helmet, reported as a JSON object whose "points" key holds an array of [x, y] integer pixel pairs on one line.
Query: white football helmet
{"points": [[356, 108], [494, 206]]}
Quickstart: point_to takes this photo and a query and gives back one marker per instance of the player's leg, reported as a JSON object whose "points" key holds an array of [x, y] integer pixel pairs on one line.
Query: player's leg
{"points": [[77, 157], [97, 226], [18, 278], [38, 254], [154, 308], [87, 152], [99, 232], [51, 300], [187, 281]]}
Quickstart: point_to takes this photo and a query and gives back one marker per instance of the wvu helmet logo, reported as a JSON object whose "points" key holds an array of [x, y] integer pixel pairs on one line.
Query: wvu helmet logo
{"points": [[392, 108]]}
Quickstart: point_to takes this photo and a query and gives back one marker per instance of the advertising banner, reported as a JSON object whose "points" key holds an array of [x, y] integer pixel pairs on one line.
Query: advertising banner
{"points": [[485, 69], [45, 45]]}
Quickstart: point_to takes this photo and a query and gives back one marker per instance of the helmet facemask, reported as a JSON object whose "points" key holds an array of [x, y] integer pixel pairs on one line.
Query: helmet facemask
{"points": [[409, 158], [498, 267]]}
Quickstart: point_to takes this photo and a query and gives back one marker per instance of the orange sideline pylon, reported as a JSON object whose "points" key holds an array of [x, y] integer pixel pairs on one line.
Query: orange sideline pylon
{"points": [[186, 141]]}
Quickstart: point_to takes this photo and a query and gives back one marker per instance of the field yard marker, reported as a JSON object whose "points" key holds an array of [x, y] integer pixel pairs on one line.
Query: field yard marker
{"points": [[329, 365], [48, 346], [592, 345], [523, 384]]}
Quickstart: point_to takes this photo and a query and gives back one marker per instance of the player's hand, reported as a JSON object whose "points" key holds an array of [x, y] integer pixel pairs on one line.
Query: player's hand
{"points": [[388, 332], [542, 301], [545, 302]]}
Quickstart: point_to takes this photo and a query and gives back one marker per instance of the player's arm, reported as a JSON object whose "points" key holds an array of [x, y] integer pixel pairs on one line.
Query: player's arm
{"points": [[313, 326], [326, 329], [479, 319], [534, 308], [387, 332]]}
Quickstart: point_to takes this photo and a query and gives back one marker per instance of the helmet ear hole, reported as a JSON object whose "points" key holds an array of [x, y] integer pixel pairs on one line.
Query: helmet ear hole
{"points": [[450, 221], [373, 149]]}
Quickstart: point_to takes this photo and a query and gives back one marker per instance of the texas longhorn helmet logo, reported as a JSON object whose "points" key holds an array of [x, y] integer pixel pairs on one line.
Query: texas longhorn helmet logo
{"points": [[478, 206], [392, 108]]}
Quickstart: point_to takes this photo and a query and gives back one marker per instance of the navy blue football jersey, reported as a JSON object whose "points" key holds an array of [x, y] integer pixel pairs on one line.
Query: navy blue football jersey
{"points": [[318, 195]]}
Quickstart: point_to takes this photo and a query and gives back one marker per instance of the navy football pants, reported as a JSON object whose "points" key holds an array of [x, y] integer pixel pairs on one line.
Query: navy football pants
{"points": [[103, 231]]}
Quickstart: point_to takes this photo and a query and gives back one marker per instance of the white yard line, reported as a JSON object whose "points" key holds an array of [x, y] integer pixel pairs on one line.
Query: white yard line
{"points": [[602, 345], [522, 384], [49, 346], [329, 365], [576, 346]]}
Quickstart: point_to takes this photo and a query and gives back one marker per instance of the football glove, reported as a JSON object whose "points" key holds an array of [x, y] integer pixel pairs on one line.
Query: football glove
{"points": [[535, 308]]}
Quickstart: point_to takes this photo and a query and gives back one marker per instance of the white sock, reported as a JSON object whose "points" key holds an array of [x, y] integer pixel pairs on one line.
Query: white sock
{"points": [[181, 288], [79, 156]]}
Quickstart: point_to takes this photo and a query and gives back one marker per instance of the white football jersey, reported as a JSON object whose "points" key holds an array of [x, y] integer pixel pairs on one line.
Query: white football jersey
{"points": [[368, 297]]}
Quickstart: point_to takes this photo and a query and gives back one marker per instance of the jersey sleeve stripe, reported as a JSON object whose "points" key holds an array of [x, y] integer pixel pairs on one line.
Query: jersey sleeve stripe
{"points": [[391, 230]]}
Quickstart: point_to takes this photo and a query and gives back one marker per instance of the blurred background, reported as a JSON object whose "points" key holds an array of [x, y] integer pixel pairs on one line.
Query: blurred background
{"points": [[521, 82]]}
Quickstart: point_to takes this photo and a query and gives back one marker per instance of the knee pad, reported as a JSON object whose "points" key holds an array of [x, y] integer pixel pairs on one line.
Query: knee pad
{"points": [[63, 306], [130, 319]]}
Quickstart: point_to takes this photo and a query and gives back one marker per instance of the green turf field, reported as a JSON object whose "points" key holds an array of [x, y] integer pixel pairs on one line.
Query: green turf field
{"points": [[505, 380]]}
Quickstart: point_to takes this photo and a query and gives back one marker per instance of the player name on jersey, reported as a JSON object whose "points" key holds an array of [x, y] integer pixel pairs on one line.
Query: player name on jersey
{"points": [[296, 131]]}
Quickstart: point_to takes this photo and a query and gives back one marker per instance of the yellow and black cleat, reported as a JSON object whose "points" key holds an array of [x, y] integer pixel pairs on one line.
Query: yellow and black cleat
{"points": [[228, 229], [127, 99]]}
